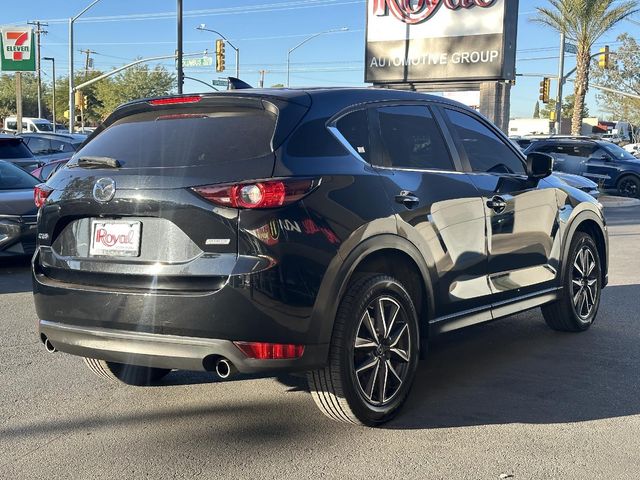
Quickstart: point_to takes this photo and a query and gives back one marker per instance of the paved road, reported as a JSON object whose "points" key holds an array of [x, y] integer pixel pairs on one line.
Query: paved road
{"points": [[508, 398]]}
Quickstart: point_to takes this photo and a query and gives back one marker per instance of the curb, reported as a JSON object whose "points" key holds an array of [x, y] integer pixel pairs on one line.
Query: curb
{"points": [[609, 201]]}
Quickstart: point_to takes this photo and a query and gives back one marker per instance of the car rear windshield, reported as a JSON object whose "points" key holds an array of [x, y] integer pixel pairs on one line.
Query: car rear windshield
{"points": [[171, 138], [13, 148], [14, 178]]}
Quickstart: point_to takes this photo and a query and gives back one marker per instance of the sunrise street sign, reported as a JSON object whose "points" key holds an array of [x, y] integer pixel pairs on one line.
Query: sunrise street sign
{"points": [[18, 51], [439, 41]]}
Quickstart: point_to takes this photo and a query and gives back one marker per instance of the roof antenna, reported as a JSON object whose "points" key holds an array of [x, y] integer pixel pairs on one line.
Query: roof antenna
{"points": [[237, 84]]}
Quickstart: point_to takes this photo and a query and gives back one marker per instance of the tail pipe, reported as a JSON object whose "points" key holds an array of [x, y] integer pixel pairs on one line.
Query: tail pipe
{"points": [[225, 369], [49, 346]]}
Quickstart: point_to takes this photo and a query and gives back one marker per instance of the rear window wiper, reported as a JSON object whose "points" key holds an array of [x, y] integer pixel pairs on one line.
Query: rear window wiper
{"points": [[98, 162]]}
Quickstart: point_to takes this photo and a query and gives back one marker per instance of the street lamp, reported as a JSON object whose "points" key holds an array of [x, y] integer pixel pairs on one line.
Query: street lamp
{"points": [[53, 67], [72, 106], [334, 30], [202, 27]]}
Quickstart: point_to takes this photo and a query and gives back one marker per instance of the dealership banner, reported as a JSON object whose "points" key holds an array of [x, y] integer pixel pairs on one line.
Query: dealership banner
{"points": [[440, 40]]}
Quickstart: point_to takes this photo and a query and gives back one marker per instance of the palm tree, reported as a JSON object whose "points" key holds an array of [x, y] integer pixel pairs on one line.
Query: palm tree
{"points": [[584, 22]]}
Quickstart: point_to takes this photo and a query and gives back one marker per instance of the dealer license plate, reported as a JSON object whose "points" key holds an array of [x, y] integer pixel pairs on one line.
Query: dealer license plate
{"points": [[115, 239]]}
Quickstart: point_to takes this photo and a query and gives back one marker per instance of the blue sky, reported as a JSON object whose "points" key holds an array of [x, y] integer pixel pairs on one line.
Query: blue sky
{"points": [[264, 30]]}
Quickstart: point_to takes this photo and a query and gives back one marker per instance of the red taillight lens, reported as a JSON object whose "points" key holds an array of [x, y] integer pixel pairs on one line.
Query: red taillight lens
{"points": [[41, 193], [270, 351], [267, 194], [175, 100]]}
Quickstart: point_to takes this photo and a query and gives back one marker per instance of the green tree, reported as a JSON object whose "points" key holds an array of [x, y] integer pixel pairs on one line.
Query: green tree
{"points": [[536, 110], [568, 103], [91, 115], [29, 96], [136, 82], [624, 76], [584, 22]]}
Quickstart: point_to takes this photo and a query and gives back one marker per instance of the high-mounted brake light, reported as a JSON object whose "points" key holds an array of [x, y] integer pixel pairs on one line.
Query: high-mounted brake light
{"points": [[259, 194], [175, 100], [40, 194], [270, 351]]}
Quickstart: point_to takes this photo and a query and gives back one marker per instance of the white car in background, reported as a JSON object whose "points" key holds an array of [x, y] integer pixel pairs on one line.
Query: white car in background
{"points": [[633, 148]]}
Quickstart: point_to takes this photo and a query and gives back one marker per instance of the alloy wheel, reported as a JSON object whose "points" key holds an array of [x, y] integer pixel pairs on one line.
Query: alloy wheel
{"points": [[584, 283], [629, 188], [382, 350]]}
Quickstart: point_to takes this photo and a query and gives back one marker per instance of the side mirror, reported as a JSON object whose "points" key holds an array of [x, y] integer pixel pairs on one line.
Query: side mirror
{"points": [[539, 165]]}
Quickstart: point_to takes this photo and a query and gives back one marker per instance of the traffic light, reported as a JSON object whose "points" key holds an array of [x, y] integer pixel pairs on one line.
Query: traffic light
{"points": [[545, 89], [85, 102], [78, 99], [604, 60], [220, 55]]}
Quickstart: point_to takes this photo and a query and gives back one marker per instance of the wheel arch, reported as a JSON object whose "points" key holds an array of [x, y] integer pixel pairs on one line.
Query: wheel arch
{"points": [[589, 222], [385, 253]]}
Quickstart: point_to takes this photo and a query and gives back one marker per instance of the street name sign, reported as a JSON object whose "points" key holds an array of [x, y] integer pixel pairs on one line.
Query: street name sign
{"points": [[18, 50], [439, 41], [197, 62]]}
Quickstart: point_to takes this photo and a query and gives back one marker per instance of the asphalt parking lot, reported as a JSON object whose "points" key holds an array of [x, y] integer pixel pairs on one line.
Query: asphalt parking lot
{"points": [[511, 399]]}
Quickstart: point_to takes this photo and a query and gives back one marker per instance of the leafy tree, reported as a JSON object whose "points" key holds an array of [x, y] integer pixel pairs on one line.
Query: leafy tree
{"points": [[568, 103], [584, 22], [29, 95], [624, 76], [536, 111]]}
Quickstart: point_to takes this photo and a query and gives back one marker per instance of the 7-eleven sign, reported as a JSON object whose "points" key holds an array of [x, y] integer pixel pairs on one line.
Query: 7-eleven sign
{"points": [[17, 45]]}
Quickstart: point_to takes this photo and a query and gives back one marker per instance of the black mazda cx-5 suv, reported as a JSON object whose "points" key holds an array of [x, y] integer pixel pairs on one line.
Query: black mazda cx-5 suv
{"points": [[327, 231]]}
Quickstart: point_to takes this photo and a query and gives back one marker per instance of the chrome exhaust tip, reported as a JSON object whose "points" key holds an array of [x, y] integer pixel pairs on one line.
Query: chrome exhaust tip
{"points": [[225, 369], [49, 346]]}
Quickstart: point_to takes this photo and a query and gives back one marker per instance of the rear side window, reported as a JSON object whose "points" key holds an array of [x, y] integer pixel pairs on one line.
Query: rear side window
{"points": [[13, 178], [486, 152], [354, 127], [172, 138], [14, 148], [58, 146], [412, 139], [39, 146]]}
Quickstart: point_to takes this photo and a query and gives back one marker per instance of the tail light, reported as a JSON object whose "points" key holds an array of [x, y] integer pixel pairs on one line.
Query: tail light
{"points": [[175, 100], [270, 351], [260, 194], [41, 193]]}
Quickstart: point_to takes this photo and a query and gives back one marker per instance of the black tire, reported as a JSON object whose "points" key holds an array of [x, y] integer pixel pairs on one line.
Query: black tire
{"points": [[578, 307], [129, 374], [338, 389], [629, 186]]}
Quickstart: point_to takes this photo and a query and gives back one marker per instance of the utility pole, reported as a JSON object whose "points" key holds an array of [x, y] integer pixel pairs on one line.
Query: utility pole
{"points": [[179, 52], [262, 72], [558, 126], [53, 67], [38, 24], [87, 61]]}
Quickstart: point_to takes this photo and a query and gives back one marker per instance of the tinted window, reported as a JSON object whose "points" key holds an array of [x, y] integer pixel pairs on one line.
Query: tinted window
{"points": [[412, 139], [57, 146], [618, 153], [12, 178], [14, 148], [173, 138], [39, 146], [44, 127], [485, 150], [354, 127]]}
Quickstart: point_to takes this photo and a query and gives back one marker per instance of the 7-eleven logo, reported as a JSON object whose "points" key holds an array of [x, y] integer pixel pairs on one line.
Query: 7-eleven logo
{"points": [[16, 44]]}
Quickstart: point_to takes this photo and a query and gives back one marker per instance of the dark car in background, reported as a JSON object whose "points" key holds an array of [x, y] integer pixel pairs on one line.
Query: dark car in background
{"points": [[53, 145], [14, 150], [609, 165], [45, 171], [327, 231], [18, 213]]}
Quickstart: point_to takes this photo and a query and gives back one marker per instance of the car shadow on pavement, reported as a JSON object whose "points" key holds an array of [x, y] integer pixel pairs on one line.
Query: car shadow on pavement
{"points": [[518, 370], [15, 275]]}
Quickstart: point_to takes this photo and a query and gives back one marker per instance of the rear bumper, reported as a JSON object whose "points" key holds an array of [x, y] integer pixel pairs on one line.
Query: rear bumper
{"points": [[167, 351]]}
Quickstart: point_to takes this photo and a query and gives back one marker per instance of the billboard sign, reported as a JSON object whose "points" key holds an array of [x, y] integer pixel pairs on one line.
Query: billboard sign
{"points": [[18, 51], [412, 41]]}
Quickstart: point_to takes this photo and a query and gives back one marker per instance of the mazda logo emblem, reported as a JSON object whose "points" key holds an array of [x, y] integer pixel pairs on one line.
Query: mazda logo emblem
{"points": [[104, 190]]}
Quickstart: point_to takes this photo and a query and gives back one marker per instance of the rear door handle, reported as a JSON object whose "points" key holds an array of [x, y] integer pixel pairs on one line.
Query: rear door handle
{"points": [[408, 199], [497, 204]]}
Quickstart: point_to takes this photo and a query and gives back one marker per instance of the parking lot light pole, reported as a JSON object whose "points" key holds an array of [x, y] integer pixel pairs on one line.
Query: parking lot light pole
{"points": [[343, 29], [202, 27], [72, 106], [53, 73]]}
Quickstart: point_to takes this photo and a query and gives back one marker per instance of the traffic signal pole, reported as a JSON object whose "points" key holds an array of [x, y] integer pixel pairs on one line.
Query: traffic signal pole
{"points": [[561, 81], [179, 53]]}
